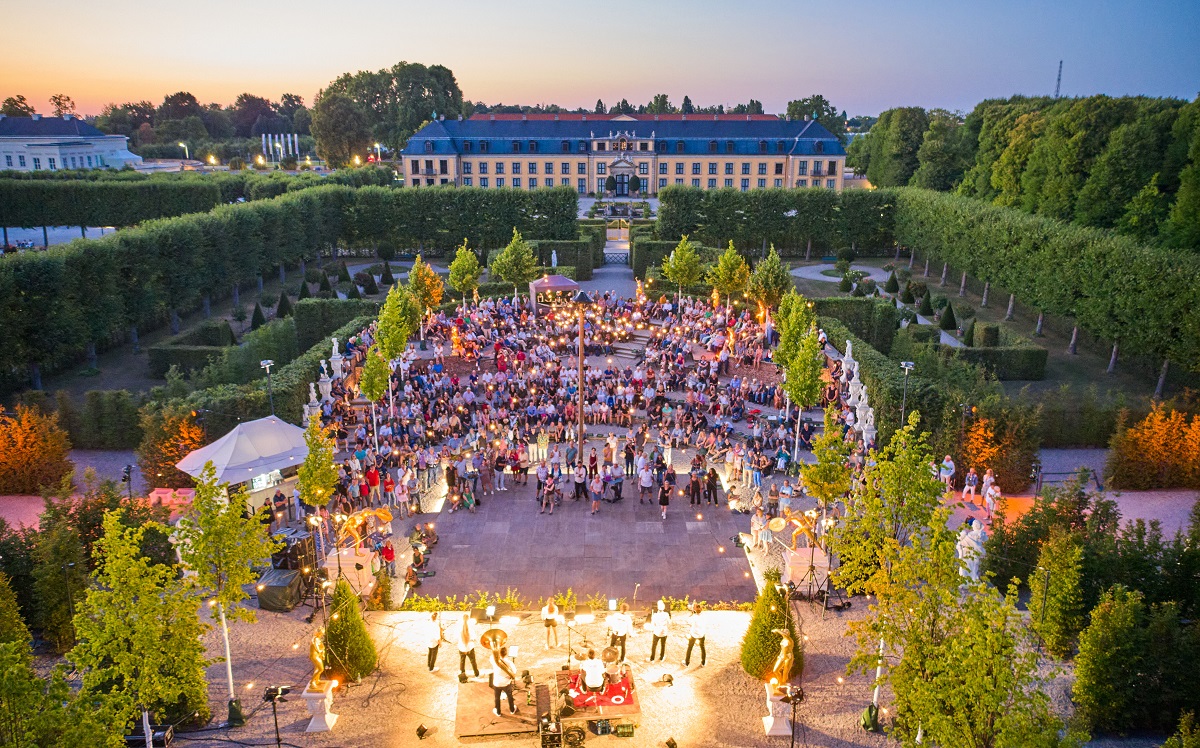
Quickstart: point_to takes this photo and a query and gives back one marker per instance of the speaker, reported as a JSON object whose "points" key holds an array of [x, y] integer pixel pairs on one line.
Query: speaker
{"points": [[279, 590], [161, 736], [302, 552]]}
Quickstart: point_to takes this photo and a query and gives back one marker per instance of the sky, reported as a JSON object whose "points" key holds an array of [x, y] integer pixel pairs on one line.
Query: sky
{"points": [[864, 56]]}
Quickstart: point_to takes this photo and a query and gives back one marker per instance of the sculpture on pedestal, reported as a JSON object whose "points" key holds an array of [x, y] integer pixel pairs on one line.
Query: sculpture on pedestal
{"points": [[316, 655], [781, 671], [970, 548]]}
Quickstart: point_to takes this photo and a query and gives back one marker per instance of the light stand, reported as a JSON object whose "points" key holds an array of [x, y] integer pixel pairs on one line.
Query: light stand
{"points": [[792, 695], [581, 301], [907, 366], [267, 363], [275, 694]]}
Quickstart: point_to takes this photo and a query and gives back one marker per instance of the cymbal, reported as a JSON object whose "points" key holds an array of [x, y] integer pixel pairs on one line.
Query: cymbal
{"points": [[777, 524], [609, 654]]}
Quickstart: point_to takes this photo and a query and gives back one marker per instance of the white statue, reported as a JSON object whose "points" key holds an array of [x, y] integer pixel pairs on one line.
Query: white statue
{"points": [[336, 348], [554, 258], [324, 369], [849, 350], [970, 548], [869, 420], [312, 392], [336, 360]]}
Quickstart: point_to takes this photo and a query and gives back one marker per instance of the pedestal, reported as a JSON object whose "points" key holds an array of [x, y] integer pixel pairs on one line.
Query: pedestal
{"points": [[325, 385], [777, 722], [336, 363], [319, 703]]}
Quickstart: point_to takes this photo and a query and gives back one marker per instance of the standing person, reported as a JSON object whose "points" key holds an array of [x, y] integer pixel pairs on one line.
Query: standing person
{"points": [[373, 483], [645, 483], [970, 484], [596, 488], [550, 621], [389, 488], [620, 624], [659, 623], [695, 636], [580, 481], [504, 672], [434, 636], [466, 648], [664, 498], [989, 479], [548, 496], [758, 523], [499, 465], [388, 552], [946, 473], [990, 499]]}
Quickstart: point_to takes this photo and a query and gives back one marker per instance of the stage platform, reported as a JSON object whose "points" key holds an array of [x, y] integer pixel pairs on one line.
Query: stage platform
{"points": [[628, 710]]}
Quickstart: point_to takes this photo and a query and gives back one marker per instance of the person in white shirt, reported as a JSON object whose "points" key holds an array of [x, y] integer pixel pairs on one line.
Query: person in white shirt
{"points": [[695, 635], [658, 628], [466, 648], [504, 672], [433, 639], [593, 673], [619, 626], [550, 617]]}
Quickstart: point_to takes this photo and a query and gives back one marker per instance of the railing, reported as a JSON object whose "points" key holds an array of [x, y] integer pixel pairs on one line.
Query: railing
{"points": [[1040, 478]]}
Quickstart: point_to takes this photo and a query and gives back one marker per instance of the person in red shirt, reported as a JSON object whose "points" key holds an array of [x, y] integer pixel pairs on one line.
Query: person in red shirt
{"points": [[364, 493], [372, 477], [388, 554], [389, 488]]}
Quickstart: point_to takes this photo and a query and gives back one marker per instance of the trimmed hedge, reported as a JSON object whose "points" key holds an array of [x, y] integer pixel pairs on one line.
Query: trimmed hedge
{"points": [[576, 253], [212, 332], [1007, 362], [29, 203], [315, 319], [191, 351], [108, 419], [873, 320], [275, 340]]}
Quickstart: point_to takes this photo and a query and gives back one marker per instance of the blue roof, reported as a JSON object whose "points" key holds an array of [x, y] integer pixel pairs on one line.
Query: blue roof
{"points": [[696, 134], [46, 127]]}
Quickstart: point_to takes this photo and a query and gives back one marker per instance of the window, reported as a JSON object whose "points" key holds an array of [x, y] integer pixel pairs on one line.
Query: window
{"points": [[89, 158], [762, 146], [601, 146], [467, 181], [728, 182], [679, 146], [819, 147], [801, 182], [566, 146], [37, 163], [696, 168], [583, 146], [548, 181], [679, 168], [483, 148], [816, 168], [802, 168], [429, 182], [781, 147], [712, 184], [21, 160], [429, 146], [566, 182], [644, 146], [533, 184], [831, 183], [832, 168], [483, 167], [499, 167], [600, 185], [643, 168], [778, 182], [582, 186], [499, 181], [100, 160], [816, 183], [745, 184], [416, 166], [695, 182], [762, 169], [779, 168], [745, 167], [533, 167], [729, 146], [549, 167], [467, 145], [661, 183], [762, 183], [516, 167], [8, 160], [566, 168], [679, 181], [581, 167], [52, 165], [428, 166], [662, 168], [74, 165], [728, 167], [661, 146], [712, 146], [712, 167], [517, 182], [443, 167], [516, 144], [444, 181], [601, 168], [483, 181], [533, 146]]}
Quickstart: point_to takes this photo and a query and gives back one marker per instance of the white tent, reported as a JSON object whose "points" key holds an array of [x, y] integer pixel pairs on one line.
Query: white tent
{"points": [[251, 449]]}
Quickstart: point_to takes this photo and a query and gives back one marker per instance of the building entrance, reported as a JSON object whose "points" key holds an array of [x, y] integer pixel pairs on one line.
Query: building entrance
{"points": [[622, 185]]}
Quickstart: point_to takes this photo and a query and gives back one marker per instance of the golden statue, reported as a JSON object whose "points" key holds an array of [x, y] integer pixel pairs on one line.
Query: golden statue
{"points": [[781, 671], [316, 655], [354, 524], [805, 524]]}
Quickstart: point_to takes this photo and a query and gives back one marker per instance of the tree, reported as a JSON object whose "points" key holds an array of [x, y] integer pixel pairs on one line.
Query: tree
{"points": [[1055, 602], [635, 184], [943, 157], [600, 108], [1146, 213], [730, 275], [1109, 664], [169, 433], [222, 543], [760, 646], [610, 183], [1183, 224], [348, 644], [947, 321], [516, 263], [34, 450], [17, 106], [12, 627], [1188, 735], [318, 475], [398, 320], [819, 108], [770, 281], [258, 318], [687, 107], [35, 712], [247, 108], [465, 270], [374, 382], [682, 267], [62, 104], [284, 307], [139, 635], [340, 127], [426, 288], [398, 101], [59, 578], [179, 105], [660, 104], [828, 478], [289, 104]]}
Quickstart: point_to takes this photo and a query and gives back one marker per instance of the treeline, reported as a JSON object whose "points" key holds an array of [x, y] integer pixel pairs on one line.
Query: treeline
{"points": [[125, 198], [88, 294], [1131, 164]]}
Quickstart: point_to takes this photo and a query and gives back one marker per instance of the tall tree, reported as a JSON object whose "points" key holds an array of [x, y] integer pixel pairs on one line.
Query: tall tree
{"points": [[515, 264], [178, 106], [465, 270], [600, 108], [888, 154], [289, 104], [943, 157], [1183, 224], [340, 127], [686, 107], [660, 104], [770, 281], [318, 475], [730, 275], [247, 108], [683, 267], [399, 100], [221, 542], [17, 106], [62, 104], [828, 478], [819, 108], [398, 320], [426, 288]]}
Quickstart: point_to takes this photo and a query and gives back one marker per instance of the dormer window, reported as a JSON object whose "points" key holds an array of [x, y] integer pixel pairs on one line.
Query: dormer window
{"points": [[583, 146], [516, 145], [781, 147], [466, 146], [679, 146], [533, 146], [729, 146], [566, 146], [483, 146], [762, 146], [600, 146], [643, 146], [819, 147], [661, 146], [429, 146], [712, 146]]}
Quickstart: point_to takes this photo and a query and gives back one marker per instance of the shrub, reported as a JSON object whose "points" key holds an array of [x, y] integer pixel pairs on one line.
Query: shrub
{"points": [[259, 318], [351, 652], [842, 266], [381, 595], [33, 450], [872, 320], [988, 336], [760, 646], [237, 163], [353, 293], [1108, 667], [325, 286], [386, 277], [969, 335], [314, 275], [304, 292], [1056, 602], [1160, 451], [845, 254], [906, 296], [108, 420], [1008, 363], [845, 284], [859, 288], [893, 284], [386, 250], [316, 319], [284, 307], [275, 340], [1188, 734], [925, 309], [343, 273]]}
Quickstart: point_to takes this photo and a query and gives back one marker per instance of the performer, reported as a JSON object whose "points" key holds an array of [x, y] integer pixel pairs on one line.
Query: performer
{"points": [[593, 678], [695, 636], [658, 628], [550, 620], [504, 672], [620, 624], [434, 636], [466, 647]]}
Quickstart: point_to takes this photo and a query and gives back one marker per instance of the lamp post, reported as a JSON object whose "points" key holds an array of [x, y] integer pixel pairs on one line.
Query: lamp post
{"points": [[907, 366], [186, 153], [582, 302], [378, 157], [267, 363]]}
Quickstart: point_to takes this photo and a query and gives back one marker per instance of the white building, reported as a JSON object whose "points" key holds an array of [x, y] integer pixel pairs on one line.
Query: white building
{"points": [[51, 143]]}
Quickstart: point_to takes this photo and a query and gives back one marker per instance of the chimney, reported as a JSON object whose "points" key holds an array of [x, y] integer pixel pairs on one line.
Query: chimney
{"points": [[441, 118], [684, 118], [656, 118], [585, 118], [492, 117], [524, 117], [714, 118], [556, 118], [460, 118], [806, 118], [68, 117], [35, 116], [747, 117]]}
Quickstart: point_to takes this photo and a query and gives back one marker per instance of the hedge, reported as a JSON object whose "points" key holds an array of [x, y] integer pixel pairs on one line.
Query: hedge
{"points": [[1007, 362], [873, 320], [189, 359], [275, 340], [31, 202], [315, 319], [645, 253], [576, 253], [107, 420], [212, 332]]}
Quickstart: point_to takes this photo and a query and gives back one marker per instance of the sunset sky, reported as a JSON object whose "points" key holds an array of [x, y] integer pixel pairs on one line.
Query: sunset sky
{"points": [[864, 56]]}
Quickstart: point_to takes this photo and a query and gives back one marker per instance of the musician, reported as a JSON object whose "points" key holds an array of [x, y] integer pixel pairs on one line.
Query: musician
{"points": [[550, 616], [504, 672], [434, 636], [466, 647], [620, 624], [695, 635], [659, 623], [594, 678]]}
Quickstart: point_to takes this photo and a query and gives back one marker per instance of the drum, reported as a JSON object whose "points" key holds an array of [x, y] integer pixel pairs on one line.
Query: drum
{"points": [[777, 524]]}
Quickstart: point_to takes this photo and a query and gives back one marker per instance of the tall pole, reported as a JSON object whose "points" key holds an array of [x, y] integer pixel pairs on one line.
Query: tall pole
{"points": [[579, 386]]}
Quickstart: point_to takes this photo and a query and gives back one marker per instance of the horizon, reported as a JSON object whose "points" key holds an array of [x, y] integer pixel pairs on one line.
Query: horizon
{"points": [[861, 64]]}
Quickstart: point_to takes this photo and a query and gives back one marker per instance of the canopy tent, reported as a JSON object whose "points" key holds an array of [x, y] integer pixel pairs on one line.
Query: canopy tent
{"points": [[251, 449], [547, 286]]}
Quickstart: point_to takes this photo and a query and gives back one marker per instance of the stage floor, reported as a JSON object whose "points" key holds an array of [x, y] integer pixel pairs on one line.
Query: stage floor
{"points": [[473, 716], [630, 709]]}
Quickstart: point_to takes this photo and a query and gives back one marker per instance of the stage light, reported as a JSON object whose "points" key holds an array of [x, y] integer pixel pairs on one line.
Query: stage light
{"points": [[612, 603], [671, 743], [491, 611], [422, 730]]}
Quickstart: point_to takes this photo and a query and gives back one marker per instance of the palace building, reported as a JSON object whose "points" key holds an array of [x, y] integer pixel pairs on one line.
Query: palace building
{"points": [[709, 151], [67, 142]]}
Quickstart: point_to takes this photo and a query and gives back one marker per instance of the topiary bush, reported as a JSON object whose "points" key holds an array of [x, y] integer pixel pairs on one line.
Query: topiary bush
{"points": [[925, 308], [969, 335], [350, 652], [304, 292], [284, 307], [845, 284], [948, 321], [353, 293], [343, 273], [760, 647], [386, 277], [259, 318], [893, 284], [371, 287], [386, 250], [859, 290], [906, 296], [325, 286], [381, 596]]}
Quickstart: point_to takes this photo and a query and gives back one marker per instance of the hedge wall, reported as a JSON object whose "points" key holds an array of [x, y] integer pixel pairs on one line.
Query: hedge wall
{"points": [[576, 253], [188, 358], [213, 332], [1007, 362], [31, 202], [873, 320], [315, 319], [107, 420]]}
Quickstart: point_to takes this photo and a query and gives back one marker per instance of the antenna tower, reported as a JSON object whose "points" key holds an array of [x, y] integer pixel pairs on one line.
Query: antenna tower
{"points": [[1058, 83]]}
